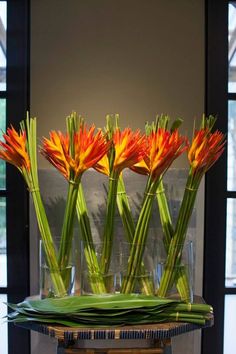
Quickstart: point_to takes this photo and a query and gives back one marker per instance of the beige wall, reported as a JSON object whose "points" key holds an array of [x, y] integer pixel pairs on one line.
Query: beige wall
{"points": [[133, 57]]}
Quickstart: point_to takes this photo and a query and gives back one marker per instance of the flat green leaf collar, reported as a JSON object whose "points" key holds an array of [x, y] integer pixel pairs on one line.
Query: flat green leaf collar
{"points": [[71, 304], [108, 310]]}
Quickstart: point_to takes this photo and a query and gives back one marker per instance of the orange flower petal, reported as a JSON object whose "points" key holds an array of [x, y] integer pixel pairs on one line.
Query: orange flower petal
{"points": [[14, 149], [102, 166], [56, 151], [205, 149], [141, 167], [129, 147]]}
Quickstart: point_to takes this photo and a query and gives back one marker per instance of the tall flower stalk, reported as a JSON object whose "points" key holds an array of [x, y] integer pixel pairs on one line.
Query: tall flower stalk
{"points": [[72, 154], [127, 148], [180, 277], [123, 206], [165, 216], [204, 151], [20, 149], [163, 148]]}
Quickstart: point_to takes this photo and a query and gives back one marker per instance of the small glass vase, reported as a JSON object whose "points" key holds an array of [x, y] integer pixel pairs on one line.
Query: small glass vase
{"points": [[180, 276], [93, 281], [142, 282], [47, 274]]}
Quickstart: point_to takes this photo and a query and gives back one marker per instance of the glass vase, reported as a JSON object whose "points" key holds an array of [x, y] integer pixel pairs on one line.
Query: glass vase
{"points": [[93, 281], [140, 281], [47, 274], [176, 281]]}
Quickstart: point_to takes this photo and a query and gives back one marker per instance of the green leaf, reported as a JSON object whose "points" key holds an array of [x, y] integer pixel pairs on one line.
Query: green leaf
{"points": [[107, 311]]}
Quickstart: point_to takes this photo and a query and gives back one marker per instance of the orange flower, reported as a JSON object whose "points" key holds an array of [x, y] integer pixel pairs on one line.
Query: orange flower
{"points": [[205, 149], [56, 151], [14, 150], [129, 147], [163, 148], [88, 149]]}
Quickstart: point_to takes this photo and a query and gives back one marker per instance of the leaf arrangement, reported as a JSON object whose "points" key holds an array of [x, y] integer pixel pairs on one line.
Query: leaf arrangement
{"points": [[109, 310]]}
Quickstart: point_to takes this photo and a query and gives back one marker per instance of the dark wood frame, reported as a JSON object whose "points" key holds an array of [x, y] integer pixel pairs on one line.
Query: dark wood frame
{"points": [[17, 99], [216, 180]]}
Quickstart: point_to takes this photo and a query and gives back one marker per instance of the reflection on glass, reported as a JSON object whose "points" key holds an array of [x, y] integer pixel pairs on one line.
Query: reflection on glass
{"points": [[2, 129], [3, 325], [3, 44], [3, 256], [231, 141], [230, 324]]}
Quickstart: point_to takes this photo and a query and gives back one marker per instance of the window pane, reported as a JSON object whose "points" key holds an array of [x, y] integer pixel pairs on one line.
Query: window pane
{"points": [[3, 256], [231, 141], [2, 129], [230, 324], [3, 43], [3, 325], [232, 47]]}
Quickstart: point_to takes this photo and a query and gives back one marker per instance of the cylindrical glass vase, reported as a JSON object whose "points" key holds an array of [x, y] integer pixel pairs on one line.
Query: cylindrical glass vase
{"points": [[142, 280], [47, 274], [93, 281], [176, 280]]}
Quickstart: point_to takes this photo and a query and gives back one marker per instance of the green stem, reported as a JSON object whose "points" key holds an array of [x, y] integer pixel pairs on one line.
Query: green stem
{"points": [[48, 245], [180, 277], [177, 241], [68, 223], [140, 236], [31, 178], [166, 222], [125, 211], [96, 281], [109, 223], [129, 227]]}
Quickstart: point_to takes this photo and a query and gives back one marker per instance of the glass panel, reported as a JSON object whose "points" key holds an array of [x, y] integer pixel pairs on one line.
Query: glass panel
{"points": [[232, 46], [3, 43], [3, 256], [3, 325], [230, 324], [231, 141], [2, 129]]}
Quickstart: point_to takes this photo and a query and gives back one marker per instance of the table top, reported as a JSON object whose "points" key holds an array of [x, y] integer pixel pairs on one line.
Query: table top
{"points": [[149, 331]]}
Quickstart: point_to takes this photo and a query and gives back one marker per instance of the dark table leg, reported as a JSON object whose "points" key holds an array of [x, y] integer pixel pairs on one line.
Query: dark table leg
{"points": [[167, 347]]}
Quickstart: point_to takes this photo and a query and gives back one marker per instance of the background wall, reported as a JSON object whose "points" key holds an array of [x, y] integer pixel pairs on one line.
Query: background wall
{"points": [[133, 57], [138, 58]]}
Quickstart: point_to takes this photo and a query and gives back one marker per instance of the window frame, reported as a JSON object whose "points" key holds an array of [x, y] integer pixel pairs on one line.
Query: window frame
{"points": [[216, 102], [17, 103]]}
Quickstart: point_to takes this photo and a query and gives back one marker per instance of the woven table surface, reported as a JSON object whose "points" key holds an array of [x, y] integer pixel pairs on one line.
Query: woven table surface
{"points": [[149, 331]]}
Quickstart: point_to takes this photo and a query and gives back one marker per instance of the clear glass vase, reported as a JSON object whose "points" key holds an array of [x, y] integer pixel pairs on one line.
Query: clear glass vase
{"points": [[47, 274], [140, 280], [176, 281], [93, 281]]}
